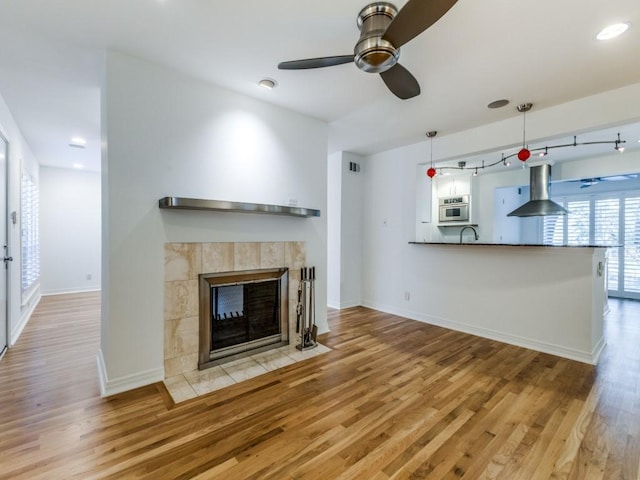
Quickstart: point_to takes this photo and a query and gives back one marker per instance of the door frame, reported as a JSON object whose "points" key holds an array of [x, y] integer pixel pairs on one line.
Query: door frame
{"points": [[7, 242]]}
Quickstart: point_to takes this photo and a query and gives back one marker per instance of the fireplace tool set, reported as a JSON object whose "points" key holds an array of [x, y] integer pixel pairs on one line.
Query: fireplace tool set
{"points": [[306, 309]]}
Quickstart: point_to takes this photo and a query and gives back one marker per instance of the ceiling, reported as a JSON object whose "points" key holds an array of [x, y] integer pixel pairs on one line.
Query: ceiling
{"points": [[539, 51]]}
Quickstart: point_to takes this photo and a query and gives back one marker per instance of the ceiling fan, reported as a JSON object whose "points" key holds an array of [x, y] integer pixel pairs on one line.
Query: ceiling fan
{"points": [[383, 30], [589, 182]]}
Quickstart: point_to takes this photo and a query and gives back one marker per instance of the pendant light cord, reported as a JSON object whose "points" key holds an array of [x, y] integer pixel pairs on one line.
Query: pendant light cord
{"points": [[431, 146]]}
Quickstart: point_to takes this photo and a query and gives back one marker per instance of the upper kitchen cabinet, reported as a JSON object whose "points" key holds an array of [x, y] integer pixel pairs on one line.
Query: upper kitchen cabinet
{"points": [[449, 185]]}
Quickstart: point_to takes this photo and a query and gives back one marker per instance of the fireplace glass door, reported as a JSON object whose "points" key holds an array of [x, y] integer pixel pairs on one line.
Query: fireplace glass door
{"points": [[244, 313]]}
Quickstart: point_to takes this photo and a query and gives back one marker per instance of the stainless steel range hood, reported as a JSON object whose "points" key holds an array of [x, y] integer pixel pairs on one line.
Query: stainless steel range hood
{"points": [[539, 203]]}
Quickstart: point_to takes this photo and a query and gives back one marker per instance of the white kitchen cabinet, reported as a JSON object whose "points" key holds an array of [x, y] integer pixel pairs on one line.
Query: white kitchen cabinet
{"points": [[450, 185]]}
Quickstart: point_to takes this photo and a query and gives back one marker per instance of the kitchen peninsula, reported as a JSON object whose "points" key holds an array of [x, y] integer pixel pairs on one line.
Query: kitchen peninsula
{"points": [[546, 298]]}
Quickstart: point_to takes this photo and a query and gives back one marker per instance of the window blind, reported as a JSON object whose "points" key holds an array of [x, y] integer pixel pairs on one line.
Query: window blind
{"points": [[30, 241], [632, 244], [553, 230], [606, 232], [578, 223]]}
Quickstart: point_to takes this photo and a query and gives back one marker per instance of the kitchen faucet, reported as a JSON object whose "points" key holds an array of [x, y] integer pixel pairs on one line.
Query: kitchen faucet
{"points": [[475, 232]]}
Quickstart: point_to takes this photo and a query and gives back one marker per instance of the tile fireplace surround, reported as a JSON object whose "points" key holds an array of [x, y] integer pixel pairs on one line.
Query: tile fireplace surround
{"points": [[183, 263]]}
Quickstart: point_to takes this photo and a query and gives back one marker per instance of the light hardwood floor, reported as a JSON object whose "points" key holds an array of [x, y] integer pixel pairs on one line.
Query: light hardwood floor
{"points": [[395, 398]]}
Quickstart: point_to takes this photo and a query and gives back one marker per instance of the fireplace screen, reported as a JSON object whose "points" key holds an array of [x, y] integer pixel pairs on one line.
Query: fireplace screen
{"points": [[242, 313]]}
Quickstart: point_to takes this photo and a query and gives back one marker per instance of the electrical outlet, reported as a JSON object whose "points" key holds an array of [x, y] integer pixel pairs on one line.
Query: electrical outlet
{"points": [[293, 202], [407, 296]]}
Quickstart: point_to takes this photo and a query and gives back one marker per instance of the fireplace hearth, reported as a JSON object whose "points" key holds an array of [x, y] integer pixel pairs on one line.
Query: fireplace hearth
{"points": [[242, 313]]}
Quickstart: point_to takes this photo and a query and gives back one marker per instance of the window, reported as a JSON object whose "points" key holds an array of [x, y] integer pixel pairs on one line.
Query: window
{"points": [[607, 232], [30, 242], [553, 230], [632, 244], [578, 222], [603, 219]]}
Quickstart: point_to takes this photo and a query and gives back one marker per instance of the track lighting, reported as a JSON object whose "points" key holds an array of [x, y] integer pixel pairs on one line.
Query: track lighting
{"points": [[524, 153]]}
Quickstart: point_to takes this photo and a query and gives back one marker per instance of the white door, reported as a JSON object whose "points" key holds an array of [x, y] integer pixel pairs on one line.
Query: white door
{"points": [[4, 154]]}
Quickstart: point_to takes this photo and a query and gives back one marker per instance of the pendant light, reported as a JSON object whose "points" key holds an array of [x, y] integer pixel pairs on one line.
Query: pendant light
{"points": [[524, 152], [431, 172]]}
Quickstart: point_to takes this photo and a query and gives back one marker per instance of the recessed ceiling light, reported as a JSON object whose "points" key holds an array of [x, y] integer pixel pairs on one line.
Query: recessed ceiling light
{"points": [[612, 31], [268, 83], [78, 142], [77, 165], [498, 103]]}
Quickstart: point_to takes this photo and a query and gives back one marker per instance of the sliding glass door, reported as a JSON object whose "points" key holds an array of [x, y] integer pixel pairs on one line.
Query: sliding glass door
{"points": [[603, 219]]}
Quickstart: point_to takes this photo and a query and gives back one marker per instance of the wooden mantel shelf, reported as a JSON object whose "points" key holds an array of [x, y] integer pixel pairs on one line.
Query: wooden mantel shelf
{"points": [[181, 203]]}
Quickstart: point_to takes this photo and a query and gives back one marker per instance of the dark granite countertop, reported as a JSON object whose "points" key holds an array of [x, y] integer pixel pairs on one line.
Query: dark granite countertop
{"points": [[473, 244]]}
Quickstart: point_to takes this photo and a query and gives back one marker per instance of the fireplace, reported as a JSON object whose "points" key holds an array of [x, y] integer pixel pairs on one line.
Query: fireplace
{"points": [[242, 313]]}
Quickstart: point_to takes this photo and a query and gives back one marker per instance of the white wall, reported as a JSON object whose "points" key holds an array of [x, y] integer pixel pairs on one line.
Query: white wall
{"points": [[601, 166], [388, 225], [334, 228], [345, 230], [389, 194], [167, 134], [69, 230], [351, 232], [20, 159]]}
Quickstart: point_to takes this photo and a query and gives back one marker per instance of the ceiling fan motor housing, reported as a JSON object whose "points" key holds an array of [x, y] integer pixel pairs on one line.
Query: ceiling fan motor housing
{"points": [[373, 54]]}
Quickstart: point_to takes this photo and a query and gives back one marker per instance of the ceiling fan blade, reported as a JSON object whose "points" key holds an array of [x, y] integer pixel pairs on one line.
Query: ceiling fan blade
{"points": [[315, 62], [400, 81], [414, 18]]}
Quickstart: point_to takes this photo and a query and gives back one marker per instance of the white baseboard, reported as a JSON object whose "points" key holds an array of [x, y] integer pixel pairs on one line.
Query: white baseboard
{"points": [[597, 351], [351, 304], [343, 305], [110, 387], [532, 344], [71, 290], [25, 315]]}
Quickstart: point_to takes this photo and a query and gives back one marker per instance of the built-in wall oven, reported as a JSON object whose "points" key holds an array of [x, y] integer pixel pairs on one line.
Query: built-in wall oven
{"points": [[453, 209]]}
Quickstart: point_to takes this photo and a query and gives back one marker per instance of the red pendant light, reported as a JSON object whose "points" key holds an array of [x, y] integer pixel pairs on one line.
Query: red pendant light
{"points": [[524, 153], [431, 172]]}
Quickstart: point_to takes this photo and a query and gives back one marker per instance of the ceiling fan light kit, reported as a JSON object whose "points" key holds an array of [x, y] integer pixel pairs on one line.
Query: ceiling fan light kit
{"points": [[372, 53], [383, 30]]}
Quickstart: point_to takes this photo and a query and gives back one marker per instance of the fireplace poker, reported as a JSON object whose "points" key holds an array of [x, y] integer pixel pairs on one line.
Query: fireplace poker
{"points": [[305, 309], [314, 327], [299, 306]]}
